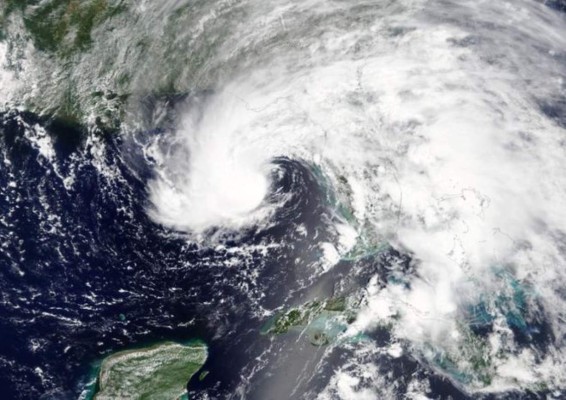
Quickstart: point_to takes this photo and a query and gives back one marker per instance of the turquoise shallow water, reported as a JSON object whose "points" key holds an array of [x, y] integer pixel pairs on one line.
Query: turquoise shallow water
{"points": [[182, 169]]}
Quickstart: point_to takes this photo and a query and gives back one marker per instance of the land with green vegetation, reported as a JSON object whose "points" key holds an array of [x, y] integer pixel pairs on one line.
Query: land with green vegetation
{"points": [[159, 372], [62, 26], [61, 33], [301, 316], [101, 63], [323, 321]]}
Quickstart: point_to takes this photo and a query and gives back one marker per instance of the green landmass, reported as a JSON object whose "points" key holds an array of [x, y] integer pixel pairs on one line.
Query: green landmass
{"points": [[63, 26], [294, 317], [323, 321], [470, 363], [100, 63], [159, 372], [335, 304], [202, 375]]}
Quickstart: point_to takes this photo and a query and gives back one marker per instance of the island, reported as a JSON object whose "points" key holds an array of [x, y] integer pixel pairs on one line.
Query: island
{"points": [[322, 321]]}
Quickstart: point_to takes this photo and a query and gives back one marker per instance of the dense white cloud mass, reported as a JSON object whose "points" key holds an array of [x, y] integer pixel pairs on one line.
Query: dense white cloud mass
{"points": [[434, 112], [439, 126], [435, 121], [6, 77]]}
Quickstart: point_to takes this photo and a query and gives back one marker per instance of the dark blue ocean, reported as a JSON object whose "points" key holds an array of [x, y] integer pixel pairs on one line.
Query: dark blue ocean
{"points": [[84, 272]]}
